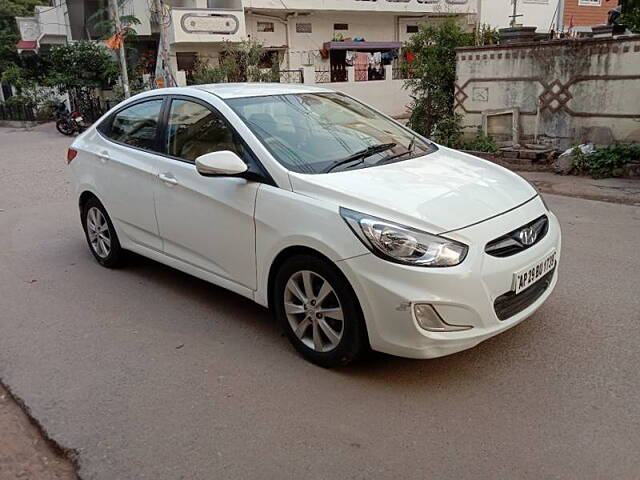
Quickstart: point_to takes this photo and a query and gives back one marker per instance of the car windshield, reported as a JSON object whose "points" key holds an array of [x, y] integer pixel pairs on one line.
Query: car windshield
{"points": [[318, 133]]}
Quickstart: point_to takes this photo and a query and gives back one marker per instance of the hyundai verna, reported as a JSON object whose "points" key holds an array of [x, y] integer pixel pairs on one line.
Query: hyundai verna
{"points": [[357, 232]]}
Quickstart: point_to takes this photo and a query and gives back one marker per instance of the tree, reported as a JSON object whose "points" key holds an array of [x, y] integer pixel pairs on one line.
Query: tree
{"points": [[631, 15], [432, 79], [9, 34], [81, 65]]}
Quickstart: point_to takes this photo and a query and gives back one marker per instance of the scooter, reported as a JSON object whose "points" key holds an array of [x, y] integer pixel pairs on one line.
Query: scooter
{"points": [[67, 122]]}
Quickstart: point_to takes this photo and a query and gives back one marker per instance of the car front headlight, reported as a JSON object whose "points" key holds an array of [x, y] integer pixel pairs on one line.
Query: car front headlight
{"points": [[401, 244]]}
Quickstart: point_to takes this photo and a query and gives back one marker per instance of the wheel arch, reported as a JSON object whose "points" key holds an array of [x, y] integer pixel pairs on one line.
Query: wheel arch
{"points": [[294, 250], [84, 198]]}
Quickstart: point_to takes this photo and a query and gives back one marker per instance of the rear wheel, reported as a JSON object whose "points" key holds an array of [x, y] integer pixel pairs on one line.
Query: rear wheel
{"points": [[65, 127], [101, 236], [319, 311]]}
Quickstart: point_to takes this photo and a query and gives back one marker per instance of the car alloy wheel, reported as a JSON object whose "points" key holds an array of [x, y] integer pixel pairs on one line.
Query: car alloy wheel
{"points": [[98, 232], [314, 311], [101, 235]]}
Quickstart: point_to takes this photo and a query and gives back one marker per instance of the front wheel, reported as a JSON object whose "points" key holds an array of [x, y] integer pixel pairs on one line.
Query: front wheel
{"points": [[65, 127], [319, 311]]}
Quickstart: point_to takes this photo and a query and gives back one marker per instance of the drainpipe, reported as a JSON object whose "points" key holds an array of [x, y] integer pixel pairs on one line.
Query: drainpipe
{"points": [[560, 17]]}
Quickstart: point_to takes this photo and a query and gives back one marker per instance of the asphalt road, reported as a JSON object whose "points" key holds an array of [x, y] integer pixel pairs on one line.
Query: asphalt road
{"points": [[150, 373]]}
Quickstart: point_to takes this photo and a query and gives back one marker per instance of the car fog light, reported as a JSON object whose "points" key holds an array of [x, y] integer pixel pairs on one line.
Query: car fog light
{"points": [[428, 318]]}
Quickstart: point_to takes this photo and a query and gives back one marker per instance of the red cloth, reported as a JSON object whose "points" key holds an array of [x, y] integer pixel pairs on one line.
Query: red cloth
{"points": [[361, 66]]}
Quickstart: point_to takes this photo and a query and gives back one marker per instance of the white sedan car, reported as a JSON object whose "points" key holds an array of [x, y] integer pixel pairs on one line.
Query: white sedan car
{"points": [[357, 232]]}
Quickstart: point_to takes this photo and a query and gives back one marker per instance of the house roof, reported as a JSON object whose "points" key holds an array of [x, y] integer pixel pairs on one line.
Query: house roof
{"points": [[27, 45], [362, 45]]}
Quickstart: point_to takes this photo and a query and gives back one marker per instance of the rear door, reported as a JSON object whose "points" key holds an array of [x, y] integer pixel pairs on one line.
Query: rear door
{"points": [[207, 222], [127, 157]]}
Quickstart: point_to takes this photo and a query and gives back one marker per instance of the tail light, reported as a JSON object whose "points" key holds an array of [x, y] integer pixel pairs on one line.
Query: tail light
{"points": [[71, 154], [75, 114]]}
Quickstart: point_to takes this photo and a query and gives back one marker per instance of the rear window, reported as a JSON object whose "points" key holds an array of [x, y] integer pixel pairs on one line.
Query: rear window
{"points": [[136, 125]]}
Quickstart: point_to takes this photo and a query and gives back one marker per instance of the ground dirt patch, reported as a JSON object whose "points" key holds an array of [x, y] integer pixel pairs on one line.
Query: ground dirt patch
{"points": [[24, 452]]}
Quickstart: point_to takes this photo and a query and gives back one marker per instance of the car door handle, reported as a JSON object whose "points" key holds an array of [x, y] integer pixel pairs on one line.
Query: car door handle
{"points": [[168, 179]]}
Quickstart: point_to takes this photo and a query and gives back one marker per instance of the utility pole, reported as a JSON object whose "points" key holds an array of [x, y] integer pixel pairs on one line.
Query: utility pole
{"points": [[115, 14], [164, 75]]}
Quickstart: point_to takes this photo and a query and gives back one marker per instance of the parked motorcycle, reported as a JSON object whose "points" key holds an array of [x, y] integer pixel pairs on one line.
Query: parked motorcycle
{"points": [[68, 122]]}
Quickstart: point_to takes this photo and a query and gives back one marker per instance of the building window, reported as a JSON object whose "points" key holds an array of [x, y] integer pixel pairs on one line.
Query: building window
{"points": [[341, 26], [412, 28], [265, 27], [589, 3], [303, 28]]}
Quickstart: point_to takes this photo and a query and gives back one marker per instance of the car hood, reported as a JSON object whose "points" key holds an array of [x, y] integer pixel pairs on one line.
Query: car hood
{"points": [[443, 191]]}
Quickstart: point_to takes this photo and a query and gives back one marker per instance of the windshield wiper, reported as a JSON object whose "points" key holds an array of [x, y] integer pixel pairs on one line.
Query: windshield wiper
{"points": [[410, 150], [361, 155]]}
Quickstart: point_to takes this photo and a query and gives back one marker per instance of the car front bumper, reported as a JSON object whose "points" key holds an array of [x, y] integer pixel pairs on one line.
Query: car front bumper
{"points": [[462, 295]]}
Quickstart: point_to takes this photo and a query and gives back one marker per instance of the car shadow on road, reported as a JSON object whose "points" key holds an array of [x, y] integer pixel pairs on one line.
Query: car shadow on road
{"points": [[494, 354]]}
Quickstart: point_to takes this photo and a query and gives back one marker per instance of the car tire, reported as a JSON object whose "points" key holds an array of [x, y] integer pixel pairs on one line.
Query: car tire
{"points": [[100, 234], [65, 127], [323, 322]]}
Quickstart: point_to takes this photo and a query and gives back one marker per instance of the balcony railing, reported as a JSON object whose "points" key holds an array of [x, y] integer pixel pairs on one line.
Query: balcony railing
{"points": [[207, 25]]}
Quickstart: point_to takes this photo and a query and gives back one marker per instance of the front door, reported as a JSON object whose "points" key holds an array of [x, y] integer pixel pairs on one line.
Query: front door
{"points": [[206, 222]]}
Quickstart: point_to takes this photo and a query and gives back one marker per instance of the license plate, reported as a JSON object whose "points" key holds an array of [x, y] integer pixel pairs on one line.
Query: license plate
{"points": [[530, 275], [78, 119]]}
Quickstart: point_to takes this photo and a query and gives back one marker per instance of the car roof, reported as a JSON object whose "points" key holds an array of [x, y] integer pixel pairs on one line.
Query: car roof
{"points": [[239, 90]]}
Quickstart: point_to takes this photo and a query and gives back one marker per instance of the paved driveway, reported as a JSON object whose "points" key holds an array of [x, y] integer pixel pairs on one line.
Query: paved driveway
{"points": [[150, 373]]}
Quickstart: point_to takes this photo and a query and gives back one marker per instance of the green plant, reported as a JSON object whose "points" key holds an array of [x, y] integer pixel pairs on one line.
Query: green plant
{"points": [[81, 64], [631, 15], [487, 35], [9, 34], [448, 131], [605, 162], [432, 79], [104, 25], [481, 143], [237, 63], [45, 112]]}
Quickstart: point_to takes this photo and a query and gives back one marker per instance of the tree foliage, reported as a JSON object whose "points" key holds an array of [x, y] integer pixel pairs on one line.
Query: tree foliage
{"points": [[432, 79], [631, 15], [82, 64], [9, 34]]}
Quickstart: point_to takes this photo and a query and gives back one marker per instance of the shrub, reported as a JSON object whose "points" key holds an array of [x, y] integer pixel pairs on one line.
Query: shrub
{"points": [[605, 162], [432, 79], [448, 131], [481, 143]]}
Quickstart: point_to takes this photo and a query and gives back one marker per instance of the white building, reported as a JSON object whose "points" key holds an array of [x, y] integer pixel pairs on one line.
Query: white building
{"points": [[310, 40], [317, 41]]}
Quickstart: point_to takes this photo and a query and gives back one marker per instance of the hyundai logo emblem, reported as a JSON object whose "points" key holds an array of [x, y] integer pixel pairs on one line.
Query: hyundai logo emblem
{"points": [[527, 236]]}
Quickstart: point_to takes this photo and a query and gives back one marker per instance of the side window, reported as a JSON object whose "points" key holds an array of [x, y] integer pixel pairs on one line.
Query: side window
{"points": [[194, 130], [137, 125]]}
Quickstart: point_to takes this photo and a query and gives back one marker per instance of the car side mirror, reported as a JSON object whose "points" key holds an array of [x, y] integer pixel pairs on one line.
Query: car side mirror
{"points": [[223, 163]]}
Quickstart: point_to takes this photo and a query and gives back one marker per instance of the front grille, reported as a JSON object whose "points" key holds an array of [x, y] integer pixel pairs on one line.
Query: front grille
{"points": [[512, 243], [510, 304]]}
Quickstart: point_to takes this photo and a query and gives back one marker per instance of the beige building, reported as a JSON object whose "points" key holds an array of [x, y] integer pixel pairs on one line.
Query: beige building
{"points": [[351, 45]]}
